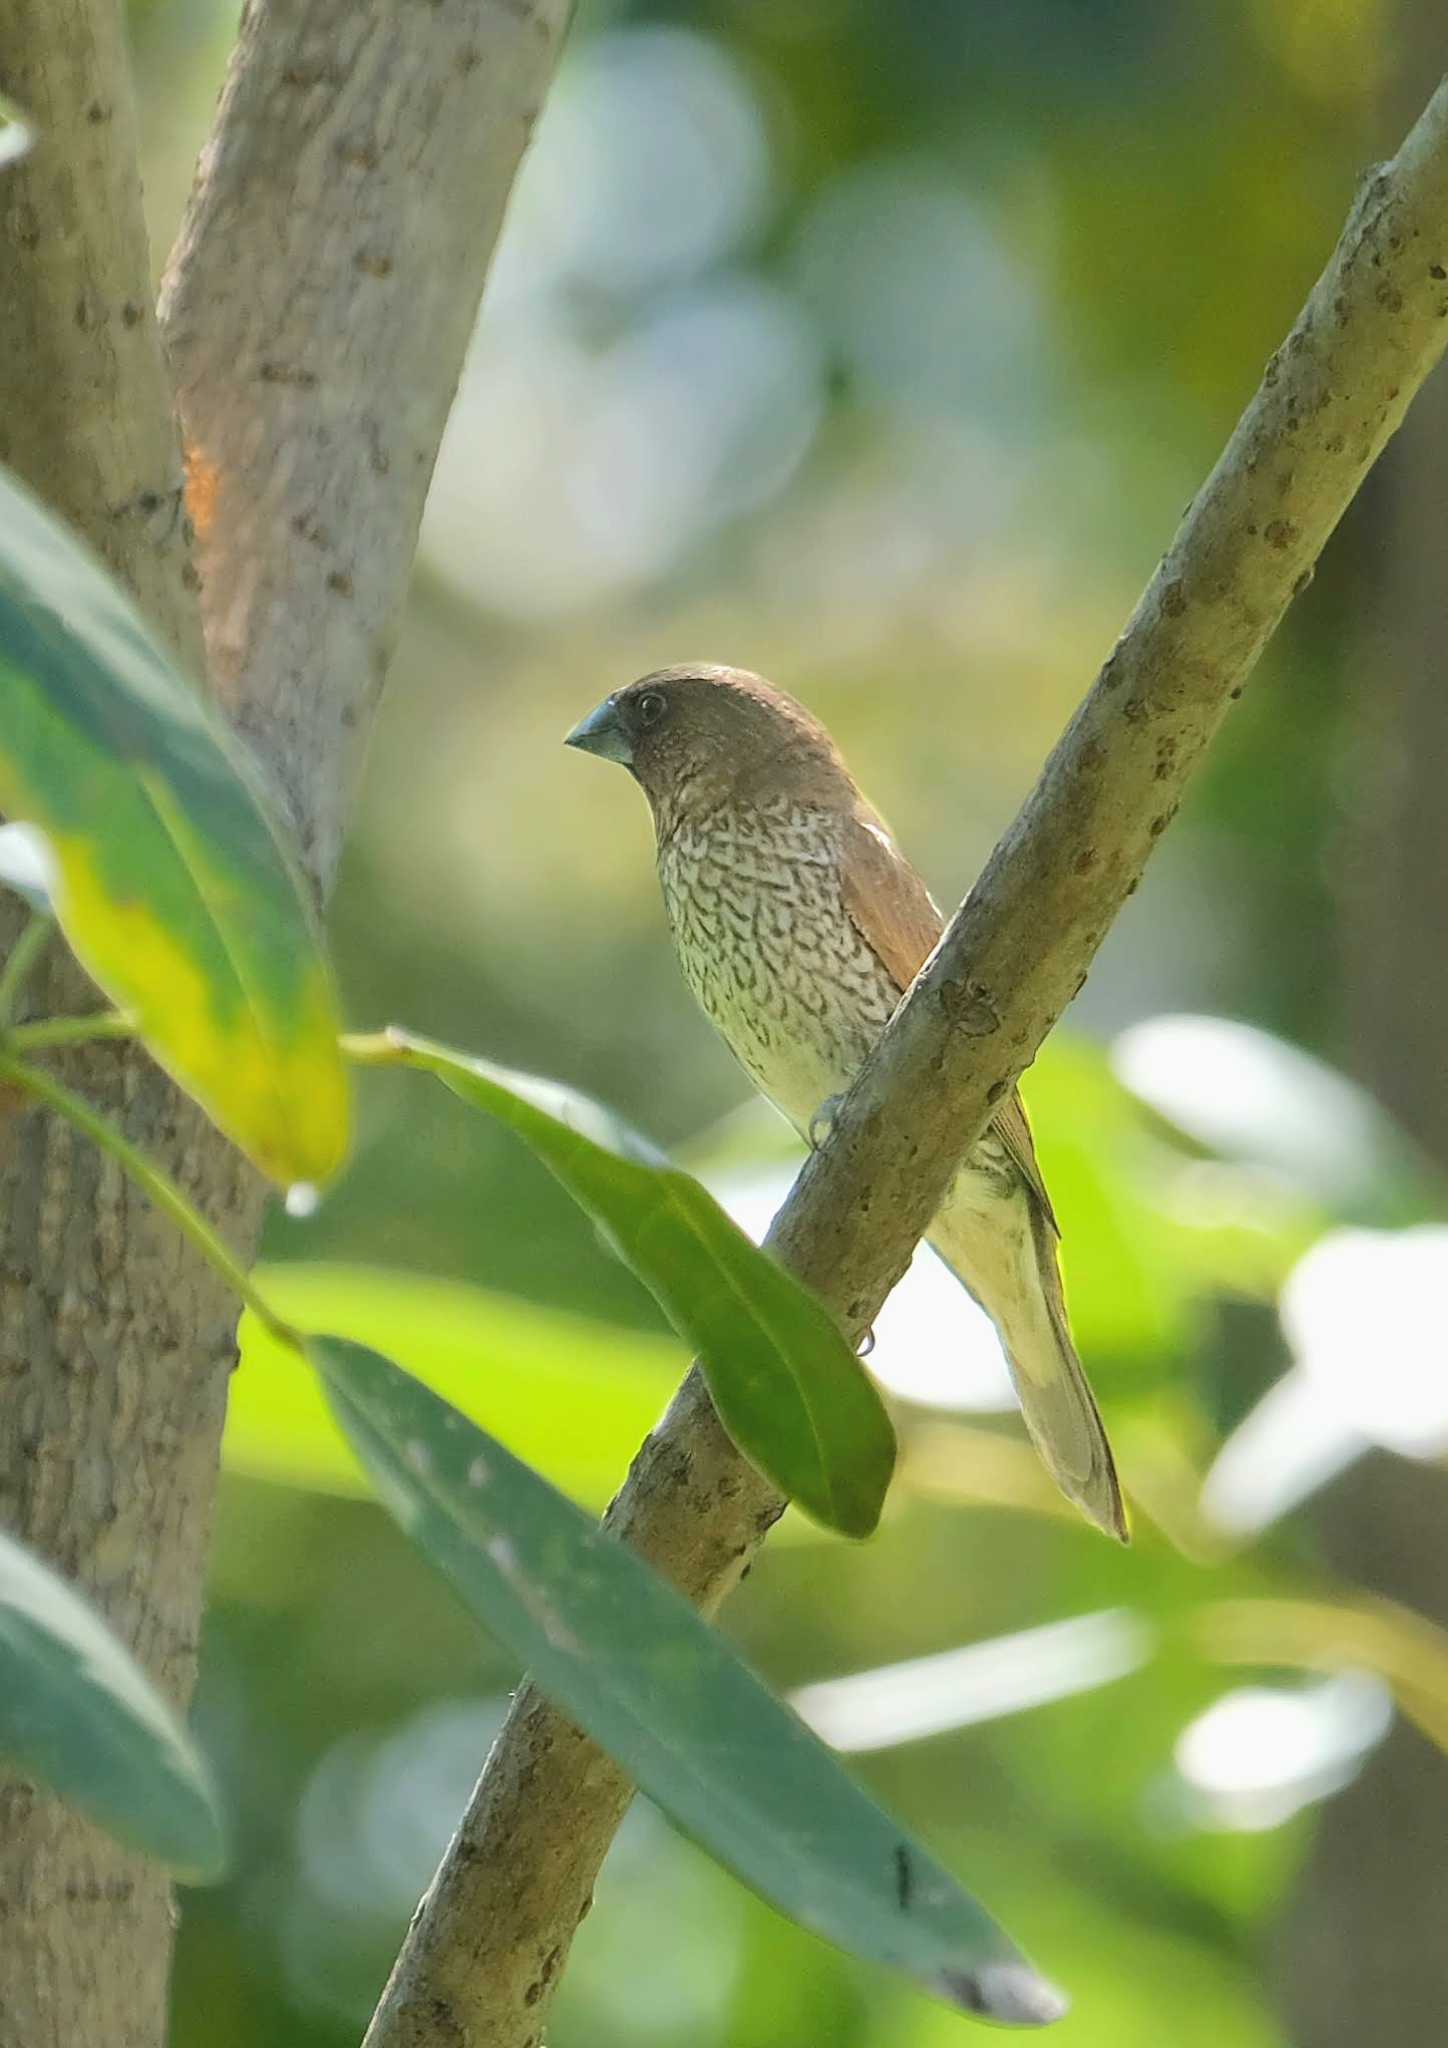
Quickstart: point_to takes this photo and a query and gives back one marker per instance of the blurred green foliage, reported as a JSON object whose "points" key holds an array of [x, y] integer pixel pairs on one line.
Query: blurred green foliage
{"points": [[878, 350]]}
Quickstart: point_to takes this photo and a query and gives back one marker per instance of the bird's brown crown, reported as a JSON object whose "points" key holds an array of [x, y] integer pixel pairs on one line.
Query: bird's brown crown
{"points": [[700, 735]]}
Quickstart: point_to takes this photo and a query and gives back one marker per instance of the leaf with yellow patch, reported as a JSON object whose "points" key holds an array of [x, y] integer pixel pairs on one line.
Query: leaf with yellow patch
{"points": [[171, 882]]}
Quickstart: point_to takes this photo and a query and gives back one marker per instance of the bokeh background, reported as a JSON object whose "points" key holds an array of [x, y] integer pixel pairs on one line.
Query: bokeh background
{"points": [[879, 349]]}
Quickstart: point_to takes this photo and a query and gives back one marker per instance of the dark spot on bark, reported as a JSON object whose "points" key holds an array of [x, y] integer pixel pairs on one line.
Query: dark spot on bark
{"points": [[130, 314], [362, 156], [97, 112], [1092, 754], [995, 1091], [1174, 599], [1135, 709], [1235, 694], [1252, 531], [585, 1909], [1133, 885], [1334, 444], [341, 582], [287, 373], [445, 2023], [970, 1007], [1389, 297], [372, 266], [904, 1876], [467, 60], [190, 576], [1437, 272], [1281, 533], [1084, 861]]}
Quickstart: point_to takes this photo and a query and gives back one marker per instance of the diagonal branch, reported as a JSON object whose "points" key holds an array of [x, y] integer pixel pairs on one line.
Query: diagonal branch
{"points": [[486, 1946], [317, 308]]}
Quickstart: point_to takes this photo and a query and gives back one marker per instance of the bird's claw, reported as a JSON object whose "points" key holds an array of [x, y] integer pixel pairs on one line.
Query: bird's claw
{"points": [[867, 1342], [823, 1120]]}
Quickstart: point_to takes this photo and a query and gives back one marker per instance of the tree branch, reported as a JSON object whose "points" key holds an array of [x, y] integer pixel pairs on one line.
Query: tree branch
{"points": [[114, 1347], [317, 308], [85, 403], [486, 1946]]}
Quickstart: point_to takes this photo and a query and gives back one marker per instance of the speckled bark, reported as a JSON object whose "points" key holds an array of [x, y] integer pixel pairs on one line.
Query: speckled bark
{"points": [[320, 302], [368, 149], [115, 1343], [490, 1939]]}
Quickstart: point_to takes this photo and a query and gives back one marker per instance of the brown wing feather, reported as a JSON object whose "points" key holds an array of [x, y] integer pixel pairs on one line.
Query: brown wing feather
{"points": [[887, 901], [892, 910]]}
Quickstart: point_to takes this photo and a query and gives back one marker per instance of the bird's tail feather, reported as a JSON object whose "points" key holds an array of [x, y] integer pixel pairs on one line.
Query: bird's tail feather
{"points": [[1014, 1276]]}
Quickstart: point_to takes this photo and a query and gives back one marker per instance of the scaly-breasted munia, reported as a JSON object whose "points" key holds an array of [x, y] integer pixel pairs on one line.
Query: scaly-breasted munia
{"points": [[799, 925]]}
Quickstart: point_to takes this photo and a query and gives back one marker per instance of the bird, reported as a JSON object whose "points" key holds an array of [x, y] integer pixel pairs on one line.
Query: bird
{"points": [[799, 925]]}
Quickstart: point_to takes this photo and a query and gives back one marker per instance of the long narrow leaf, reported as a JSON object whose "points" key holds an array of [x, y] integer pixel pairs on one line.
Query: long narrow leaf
{"points": [[78, 1715], [171, 883], [787, 1386], [662, 1692]]}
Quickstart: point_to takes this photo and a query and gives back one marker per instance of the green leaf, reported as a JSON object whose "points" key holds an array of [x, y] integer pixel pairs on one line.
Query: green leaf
{"points": [[629, 1659], [171, 883], [78, 1715], [787, 1386], [571, 1395]]}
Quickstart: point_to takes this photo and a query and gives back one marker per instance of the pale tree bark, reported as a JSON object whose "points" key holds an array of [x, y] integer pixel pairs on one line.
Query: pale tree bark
{"points": [[487, 1945], [368, 151], [350, 137]]}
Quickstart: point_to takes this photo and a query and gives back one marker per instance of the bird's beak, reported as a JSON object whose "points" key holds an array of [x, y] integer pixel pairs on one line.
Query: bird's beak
{"points": [[602, 732]]}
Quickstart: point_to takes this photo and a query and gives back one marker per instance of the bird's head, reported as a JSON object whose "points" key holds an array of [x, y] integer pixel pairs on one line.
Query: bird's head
{"points": [[700, 736]]}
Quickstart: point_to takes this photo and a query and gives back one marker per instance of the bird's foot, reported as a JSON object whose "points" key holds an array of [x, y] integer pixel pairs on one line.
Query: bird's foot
{"points": [[823, 1120], [867, 1342]]}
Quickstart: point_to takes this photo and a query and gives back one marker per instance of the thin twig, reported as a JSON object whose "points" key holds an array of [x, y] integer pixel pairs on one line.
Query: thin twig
{"points": [[148, 1176], [20, 961], [59, 1034]]}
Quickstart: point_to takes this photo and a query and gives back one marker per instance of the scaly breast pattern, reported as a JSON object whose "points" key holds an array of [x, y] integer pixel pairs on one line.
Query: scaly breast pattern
{"points": [[771, 952]]}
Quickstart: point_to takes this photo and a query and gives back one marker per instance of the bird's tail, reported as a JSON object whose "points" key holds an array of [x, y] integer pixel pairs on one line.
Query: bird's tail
{"points": [[1005, 1256]]}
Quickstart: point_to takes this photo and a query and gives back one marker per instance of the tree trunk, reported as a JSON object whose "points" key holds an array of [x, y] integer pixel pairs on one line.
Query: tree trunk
{"points": [[361, 148], [115, 1340]]}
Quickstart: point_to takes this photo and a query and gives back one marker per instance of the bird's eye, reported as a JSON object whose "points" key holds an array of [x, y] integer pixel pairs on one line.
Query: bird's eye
{"points": [[651, 707]]}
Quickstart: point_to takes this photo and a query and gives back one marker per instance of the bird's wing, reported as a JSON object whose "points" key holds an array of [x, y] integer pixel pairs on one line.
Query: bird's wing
{"points": [[891, 908], [888, 904], [1012, 1127]]}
